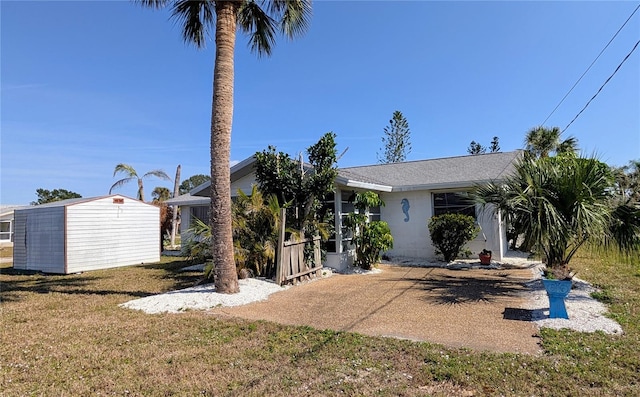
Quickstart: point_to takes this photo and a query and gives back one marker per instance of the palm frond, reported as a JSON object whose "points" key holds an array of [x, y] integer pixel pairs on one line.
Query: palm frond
{"points": [[157, 4], [121, 183], [294, 16], [195, 18], [260, 27], [126, 169], [158, 174]]}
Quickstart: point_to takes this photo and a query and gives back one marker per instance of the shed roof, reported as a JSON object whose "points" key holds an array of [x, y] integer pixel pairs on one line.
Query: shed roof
{"points": [[68, 202]]}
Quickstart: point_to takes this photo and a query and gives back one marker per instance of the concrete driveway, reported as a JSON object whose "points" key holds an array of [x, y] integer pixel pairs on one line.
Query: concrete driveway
{"points": [[456, 308]]}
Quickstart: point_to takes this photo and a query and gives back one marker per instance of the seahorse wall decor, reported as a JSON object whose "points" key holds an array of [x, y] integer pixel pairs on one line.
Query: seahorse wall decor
{"points": [[405, 209]]}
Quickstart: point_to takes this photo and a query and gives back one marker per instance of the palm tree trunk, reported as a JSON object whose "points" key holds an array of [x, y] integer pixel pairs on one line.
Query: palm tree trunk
{"points": [[174, 213], [140, 190], [226, 278]]}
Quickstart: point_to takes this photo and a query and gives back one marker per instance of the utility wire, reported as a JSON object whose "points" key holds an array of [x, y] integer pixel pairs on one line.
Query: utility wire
{"points": [[589, 68], [602, 86]]}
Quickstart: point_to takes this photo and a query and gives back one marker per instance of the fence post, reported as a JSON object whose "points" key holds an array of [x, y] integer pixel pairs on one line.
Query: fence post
{"points": [[280, 249], [317, 257]]}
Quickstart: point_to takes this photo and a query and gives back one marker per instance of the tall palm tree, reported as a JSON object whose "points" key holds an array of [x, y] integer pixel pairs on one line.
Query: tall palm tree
{"points": [[131, 175], [261, 23], [541, 142]]}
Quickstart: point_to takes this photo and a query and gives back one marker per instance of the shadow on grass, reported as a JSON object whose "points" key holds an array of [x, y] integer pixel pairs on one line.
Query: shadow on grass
{"points": [[17, 284], [39, 283], [174, 270]]}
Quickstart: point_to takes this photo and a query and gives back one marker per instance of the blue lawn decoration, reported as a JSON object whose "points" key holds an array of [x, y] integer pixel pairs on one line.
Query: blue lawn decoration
{"points": [[557, 291]]}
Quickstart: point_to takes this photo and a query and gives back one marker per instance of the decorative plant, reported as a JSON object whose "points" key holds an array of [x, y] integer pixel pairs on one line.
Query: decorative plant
{"points": [[558, 203], [450, 232], [370, 238]]}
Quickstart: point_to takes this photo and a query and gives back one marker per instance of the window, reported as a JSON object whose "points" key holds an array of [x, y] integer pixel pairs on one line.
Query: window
{"points": [[200, 212], [329, 205], [5, 231], [453, 203]]}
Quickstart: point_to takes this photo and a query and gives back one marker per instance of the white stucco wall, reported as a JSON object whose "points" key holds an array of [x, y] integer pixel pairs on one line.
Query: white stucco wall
{"points": [[411, 237]]}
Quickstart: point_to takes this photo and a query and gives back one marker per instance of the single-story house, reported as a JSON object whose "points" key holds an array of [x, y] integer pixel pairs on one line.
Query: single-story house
{"points": [[6, 223], [81, 234], [413, 192]]}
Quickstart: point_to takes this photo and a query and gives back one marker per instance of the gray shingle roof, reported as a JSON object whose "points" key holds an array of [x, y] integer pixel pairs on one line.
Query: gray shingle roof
{"points": [[461, 171]]}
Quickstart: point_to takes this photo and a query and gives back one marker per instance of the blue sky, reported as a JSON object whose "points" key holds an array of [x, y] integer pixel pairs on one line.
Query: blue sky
{"points": [[86, 85]]}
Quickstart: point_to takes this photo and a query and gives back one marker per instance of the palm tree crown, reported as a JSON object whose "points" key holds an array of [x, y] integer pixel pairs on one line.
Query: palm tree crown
{"points": [[132, 175], [541, 142]]}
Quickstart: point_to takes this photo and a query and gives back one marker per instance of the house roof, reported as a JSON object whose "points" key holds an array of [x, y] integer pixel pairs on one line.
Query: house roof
{"points": [[189, 199], [442, 173]]}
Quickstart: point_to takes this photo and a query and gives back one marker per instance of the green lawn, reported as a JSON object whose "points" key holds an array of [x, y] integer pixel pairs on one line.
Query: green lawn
{"points": [[66, 336]]}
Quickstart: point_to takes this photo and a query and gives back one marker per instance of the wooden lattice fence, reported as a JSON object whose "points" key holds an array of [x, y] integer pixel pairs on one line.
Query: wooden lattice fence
{"points": [[292, 265]]}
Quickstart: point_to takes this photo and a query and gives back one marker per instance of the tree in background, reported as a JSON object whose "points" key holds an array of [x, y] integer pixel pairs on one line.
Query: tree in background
{"points": [[625, 225], [192, 182], [396, 140], [261, 21], [543, 142], [494, 146], [627, 181], [476, 148], [132, 175], [175, 208], [161, 194], [49, 196]]}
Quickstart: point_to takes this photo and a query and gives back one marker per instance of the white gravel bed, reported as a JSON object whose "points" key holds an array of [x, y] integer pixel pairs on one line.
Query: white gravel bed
{"points": [[204, 297], [586, 314]]}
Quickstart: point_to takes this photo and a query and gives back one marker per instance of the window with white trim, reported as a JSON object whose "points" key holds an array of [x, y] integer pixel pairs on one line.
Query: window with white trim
{"points": [[453, 203]]}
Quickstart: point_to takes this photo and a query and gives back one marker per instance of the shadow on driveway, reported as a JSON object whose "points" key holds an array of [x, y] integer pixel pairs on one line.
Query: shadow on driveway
{"points": [[456, 308]]}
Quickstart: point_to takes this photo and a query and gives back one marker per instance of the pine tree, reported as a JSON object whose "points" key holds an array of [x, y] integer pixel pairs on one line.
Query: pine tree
{"points": [[476, 148], [397, 144], [495, 145]]}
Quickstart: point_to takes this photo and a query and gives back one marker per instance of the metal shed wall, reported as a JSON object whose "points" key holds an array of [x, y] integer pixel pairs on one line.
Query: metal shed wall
{"points": [[111, 232], [39, 239], [87, 234]]}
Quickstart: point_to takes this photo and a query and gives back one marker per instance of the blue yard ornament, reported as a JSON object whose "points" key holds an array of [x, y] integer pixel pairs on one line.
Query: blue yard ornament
{"points": [[405, 208]]}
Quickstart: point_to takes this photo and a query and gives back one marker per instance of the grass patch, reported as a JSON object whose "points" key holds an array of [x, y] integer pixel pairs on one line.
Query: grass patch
{"points": [[66, 335]]}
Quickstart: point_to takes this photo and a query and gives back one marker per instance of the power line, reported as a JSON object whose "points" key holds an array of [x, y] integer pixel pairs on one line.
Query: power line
{"points": [[585, 72], [602, 86]]}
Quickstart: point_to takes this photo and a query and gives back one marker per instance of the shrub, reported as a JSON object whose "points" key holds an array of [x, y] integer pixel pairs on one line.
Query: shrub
{"points": [[369, 238], [450, 232]]}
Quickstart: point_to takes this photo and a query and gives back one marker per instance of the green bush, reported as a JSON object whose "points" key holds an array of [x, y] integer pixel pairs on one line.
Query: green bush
{"points": [[369, 238], [450, 232]]}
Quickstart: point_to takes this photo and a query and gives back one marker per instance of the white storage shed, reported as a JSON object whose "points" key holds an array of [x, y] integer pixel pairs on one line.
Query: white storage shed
{"points": [[84, 234]]}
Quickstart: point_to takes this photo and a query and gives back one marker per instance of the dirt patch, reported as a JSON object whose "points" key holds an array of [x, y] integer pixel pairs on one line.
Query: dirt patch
{"points": [[462, 308]]}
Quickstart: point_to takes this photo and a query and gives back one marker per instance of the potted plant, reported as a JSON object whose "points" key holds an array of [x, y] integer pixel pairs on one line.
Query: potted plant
{"points": [[558, 203], [485, 257]]}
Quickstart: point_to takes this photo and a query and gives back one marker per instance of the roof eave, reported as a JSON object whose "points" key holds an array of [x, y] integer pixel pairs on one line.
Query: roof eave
{"points": [[442, 186], [362, 185]]}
